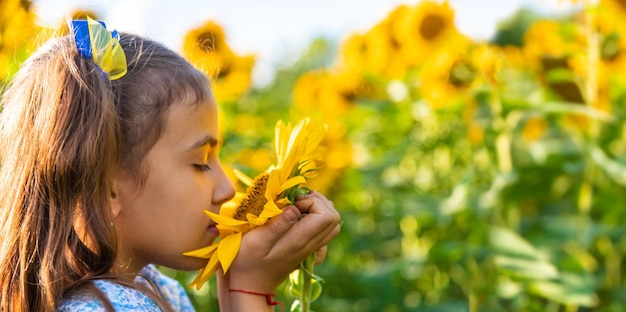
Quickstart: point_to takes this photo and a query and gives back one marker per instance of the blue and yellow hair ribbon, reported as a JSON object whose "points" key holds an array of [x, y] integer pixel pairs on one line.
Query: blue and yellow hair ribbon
{"points": [[96, 43]]}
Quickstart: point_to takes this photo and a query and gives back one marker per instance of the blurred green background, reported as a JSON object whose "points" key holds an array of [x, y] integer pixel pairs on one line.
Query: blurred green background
{"points": [[471, 176]]}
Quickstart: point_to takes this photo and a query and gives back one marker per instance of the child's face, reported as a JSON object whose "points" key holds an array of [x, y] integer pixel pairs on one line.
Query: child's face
{"points": [[165, 218]]}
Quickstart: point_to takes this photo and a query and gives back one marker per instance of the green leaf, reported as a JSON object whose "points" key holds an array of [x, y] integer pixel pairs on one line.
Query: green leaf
{"points": [[525, 268], [575, 108], [294, 290], [615, 170], [571, 289], [316, 289], [507, 242], [295, 306]]}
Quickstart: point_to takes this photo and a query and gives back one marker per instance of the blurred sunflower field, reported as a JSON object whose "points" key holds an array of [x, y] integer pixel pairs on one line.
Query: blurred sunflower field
{"points": [[471, 176]]}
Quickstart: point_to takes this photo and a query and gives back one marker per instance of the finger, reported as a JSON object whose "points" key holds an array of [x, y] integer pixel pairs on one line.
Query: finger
{"points": [[312, 232], [320, 255], [311, 195], [308, 235], [276, 228], [321, 220], [322, 239], [315, 203]]}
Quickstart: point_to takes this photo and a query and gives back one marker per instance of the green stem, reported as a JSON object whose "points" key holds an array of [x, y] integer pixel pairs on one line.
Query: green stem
{"points": [[305, 296]]}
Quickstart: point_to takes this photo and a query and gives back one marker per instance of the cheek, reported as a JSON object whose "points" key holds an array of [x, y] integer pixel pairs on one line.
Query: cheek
{"points": [[180, 193], [171, 185], [190, 196]]}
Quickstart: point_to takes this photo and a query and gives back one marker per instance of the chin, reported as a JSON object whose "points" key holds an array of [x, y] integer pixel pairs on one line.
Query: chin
{"points": [[187, 264]]}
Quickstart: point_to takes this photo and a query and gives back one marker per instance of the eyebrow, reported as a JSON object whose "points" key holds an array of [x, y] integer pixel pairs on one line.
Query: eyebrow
{"points": [[203, 142]]}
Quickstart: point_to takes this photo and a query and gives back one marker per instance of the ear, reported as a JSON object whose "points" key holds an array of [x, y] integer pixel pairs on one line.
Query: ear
{"points": [[116, 205]]}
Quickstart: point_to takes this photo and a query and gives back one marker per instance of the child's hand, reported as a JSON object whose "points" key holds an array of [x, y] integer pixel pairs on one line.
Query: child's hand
{"points": [[269, 253]]}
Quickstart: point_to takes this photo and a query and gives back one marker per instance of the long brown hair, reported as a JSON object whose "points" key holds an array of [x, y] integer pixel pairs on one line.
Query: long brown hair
{"points": [[64, 130]]}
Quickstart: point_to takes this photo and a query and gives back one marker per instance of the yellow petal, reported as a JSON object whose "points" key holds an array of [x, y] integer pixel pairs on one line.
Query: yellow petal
{"points": [[196, 281], [314, 139], [272, 188], [205, 274], [228, 210], [228, 250], [270, 210], [281, 140], [224, 221], [292, 182], [204, 253], [296, 133], [225, 231], [299, 145], [291, 161], [283, 201], [243, 178], [256, 221]]}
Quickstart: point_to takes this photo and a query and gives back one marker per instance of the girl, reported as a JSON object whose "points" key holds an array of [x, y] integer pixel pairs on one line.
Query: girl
{"points": [[102, 178]]}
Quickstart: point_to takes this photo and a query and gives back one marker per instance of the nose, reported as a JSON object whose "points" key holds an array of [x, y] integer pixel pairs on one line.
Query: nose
{"points": [[224, 189]]}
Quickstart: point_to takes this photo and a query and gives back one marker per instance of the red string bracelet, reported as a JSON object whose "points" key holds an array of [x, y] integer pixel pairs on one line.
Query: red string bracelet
{"points": [[268, 297]]}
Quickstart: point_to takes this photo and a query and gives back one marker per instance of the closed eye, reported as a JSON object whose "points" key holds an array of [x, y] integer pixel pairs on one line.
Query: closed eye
{"points": [[202, 168]]}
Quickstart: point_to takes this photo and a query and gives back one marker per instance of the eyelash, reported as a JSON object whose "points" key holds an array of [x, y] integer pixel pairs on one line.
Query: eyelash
{"points": [[203, 168]]}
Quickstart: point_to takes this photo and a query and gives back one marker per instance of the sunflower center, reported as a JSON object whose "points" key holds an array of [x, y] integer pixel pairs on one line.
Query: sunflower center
{"points": [[461, 74], [255, 199], [207, 41], [431, 26], [622, 3]]}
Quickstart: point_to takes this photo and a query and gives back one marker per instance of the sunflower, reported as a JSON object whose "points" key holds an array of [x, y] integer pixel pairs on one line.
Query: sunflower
{"points": [[16, 24], [423, 28], [316, 91], [488, 60], [17, 29], [327, 94], [233, 81], [370, 52], [205, 47], [617, 7], [362, 59], [350, 65], [374, 53], [551, 39], [277, 187], [447, 74], [611, 26]]}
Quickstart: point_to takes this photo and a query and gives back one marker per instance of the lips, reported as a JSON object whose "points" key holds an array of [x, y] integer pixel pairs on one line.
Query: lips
{"points": [[213, 229]]}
